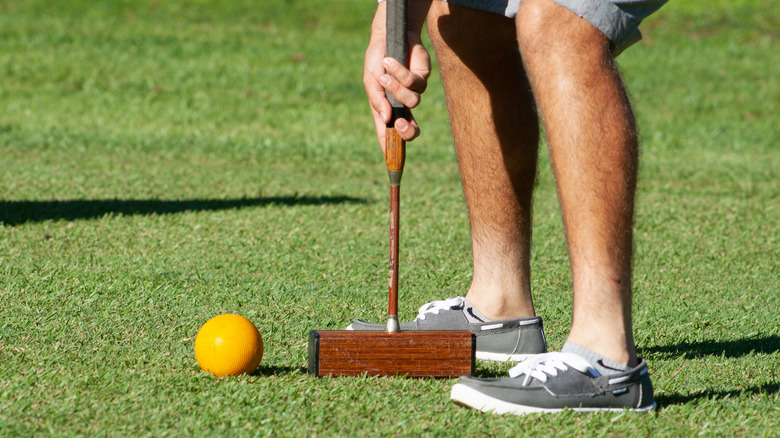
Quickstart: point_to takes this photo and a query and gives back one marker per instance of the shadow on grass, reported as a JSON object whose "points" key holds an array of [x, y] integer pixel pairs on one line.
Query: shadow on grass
{"points": [[689, 350], [264, 370], [730, 349], [19, 212], [492, 370], [482, 373], [734, 348], [681, 399]]}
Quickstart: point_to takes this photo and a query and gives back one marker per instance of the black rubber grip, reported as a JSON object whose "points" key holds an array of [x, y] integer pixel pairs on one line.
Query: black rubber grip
{"points": [[397, 43]]}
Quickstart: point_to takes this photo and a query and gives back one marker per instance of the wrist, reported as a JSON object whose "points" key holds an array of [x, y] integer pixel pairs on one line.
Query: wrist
{"points": [[418, 11]]}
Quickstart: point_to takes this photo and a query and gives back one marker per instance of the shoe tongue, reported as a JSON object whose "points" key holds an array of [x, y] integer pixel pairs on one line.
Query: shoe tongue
{"points": [[472, 314]]}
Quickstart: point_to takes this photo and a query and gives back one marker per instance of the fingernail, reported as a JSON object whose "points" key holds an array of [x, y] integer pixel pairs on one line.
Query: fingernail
{"points": [[383, 115], [386, 62], [402, 124], [384, 80]]}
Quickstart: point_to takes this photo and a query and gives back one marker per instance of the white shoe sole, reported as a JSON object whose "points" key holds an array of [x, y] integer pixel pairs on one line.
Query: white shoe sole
{"points": [[467, 396]]}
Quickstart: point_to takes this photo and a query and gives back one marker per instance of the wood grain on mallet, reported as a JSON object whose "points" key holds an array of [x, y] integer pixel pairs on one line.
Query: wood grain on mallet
{"points": [[395, 150], [378, 353]]}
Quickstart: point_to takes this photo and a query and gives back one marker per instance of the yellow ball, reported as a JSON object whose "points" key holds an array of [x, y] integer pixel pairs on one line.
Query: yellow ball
{"points": [[228, 345]]}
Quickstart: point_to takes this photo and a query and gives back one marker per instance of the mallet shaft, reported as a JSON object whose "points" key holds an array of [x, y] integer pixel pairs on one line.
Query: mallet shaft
{"points": [[392, 307], [395, 149]]}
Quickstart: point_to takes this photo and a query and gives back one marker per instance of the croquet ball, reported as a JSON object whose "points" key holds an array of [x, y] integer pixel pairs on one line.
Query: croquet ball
{"points": [[228, 345]]}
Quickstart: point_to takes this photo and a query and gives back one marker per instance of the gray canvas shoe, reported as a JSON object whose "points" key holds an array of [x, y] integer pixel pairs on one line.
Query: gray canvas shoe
{"points": [[508, 340], [556, 381]]}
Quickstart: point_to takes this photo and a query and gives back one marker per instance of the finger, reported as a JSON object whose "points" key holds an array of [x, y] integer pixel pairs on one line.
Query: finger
{"points": [[416, 82], [381, 131], [407, 129], [404, 95], [380, 106]]}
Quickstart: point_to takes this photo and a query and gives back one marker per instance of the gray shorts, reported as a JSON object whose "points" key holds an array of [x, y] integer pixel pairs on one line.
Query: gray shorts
{"points": [[617, 19]]}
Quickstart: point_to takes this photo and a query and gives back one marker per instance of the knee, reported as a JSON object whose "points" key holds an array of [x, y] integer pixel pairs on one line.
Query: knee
{"points": [[536, 25], [475, 37], [544, 26]]}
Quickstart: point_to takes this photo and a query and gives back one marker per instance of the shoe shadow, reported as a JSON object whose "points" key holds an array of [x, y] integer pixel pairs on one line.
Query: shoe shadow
{"points": [[734, 348], [764, 345], [14, 213], [666, 400]]}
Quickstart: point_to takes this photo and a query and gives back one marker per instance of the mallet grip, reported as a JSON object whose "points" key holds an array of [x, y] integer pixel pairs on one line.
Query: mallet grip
{"points": [[398, 49], [397, 43]]}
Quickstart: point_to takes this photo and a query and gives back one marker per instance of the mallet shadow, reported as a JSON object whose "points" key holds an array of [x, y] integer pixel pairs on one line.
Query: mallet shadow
{"points": [[14, 213]]}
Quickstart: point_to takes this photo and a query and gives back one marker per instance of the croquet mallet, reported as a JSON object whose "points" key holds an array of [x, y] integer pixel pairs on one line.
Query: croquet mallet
{"points": [[413, 353]]}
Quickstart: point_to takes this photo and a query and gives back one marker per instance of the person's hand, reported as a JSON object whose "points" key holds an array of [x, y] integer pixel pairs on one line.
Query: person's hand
{"points": [[406, 84]]}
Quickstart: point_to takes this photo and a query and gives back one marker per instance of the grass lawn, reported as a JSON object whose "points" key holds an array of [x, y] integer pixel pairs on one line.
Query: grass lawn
{"points": [[166, 162]]}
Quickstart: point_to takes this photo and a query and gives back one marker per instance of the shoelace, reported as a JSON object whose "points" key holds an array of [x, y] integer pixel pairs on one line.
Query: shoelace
{"points": [[435, 306], [549, 364]]}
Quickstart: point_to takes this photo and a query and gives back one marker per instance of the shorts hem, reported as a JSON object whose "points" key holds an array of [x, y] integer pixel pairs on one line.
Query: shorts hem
{"points": [[617, 20]]}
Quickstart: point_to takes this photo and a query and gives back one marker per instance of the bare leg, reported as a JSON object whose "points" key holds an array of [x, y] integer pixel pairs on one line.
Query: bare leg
{"points": [[496, 132], [592, 138]]}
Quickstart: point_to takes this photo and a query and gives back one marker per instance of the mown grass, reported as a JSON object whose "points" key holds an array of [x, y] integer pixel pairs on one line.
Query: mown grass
{"points": [[165, 162]]}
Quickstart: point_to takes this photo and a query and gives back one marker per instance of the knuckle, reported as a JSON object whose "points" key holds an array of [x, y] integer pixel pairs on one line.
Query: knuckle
{"points": [[406, 78], [415, 100]]}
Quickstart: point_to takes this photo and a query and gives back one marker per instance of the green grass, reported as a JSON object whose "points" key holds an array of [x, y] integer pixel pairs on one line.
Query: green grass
{"points": [[165, 162]]}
